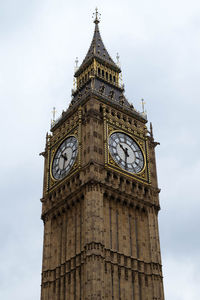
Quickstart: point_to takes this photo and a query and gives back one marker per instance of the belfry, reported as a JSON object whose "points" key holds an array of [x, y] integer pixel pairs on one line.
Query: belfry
{"points": [[100, 199]]}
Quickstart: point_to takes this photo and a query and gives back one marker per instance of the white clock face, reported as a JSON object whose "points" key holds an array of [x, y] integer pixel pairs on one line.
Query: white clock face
{"points": [[65, 157], [126, 152]]}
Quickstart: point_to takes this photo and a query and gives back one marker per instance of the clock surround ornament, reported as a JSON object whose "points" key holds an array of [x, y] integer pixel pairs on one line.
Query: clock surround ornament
{"points": [[126, 152], [64, 158]]}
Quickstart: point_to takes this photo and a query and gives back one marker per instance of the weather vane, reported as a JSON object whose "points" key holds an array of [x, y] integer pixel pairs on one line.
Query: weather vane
{"points": [[96, 16]]}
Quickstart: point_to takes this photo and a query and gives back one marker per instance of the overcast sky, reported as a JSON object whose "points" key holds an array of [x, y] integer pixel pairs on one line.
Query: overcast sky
{"points": [[159, 46]]}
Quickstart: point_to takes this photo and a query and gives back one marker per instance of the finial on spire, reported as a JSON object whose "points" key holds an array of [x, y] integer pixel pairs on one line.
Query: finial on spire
{"points": [[54, 115], [96, 16], [76, 64], [143, 103], [117, 57], [118, 62], [74, 79]]}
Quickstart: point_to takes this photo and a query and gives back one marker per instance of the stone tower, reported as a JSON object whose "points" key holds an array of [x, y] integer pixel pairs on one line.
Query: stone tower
{"points": [[101, 199]]}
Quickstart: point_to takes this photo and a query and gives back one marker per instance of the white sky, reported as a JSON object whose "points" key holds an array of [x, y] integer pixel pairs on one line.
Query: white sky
{"points": [[159, 47]]}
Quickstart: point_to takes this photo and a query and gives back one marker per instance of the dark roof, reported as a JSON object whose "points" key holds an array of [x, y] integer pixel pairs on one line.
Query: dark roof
{"points": [[97, 50]]}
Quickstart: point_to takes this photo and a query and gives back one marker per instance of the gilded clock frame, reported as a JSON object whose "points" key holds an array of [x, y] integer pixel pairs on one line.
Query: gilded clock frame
{"points": [[144, 174], [54, 151], [52, 182], [110, 158]]}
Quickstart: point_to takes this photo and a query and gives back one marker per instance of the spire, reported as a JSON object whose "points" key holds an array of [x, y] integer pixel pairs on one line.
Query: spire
{"points": [[97, 16], [97, 49]]}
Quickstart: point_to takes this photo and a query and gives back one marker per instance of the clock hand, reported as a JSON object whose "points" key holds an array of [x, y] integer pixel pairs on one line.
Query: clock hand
{"points": [[64, 156], [125, 160], [63, 164], [121, 147], [126, 152]]}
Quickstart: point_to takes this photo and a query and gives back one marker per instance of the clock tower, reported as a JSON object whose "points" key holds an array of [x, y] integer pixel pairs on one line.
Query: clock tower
{"points": [[100, 199]]}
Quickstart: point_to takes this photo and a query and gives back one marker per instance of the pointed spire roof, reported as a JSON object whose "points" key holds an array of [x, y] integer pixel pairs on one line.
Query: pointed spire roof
{"points": [[97, 50]]}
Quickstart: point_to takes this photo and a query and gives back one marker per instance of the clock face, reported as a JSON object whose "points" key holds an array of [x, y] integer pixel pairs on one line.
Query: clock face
{"points": [[65, 157], [126, 152]]}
